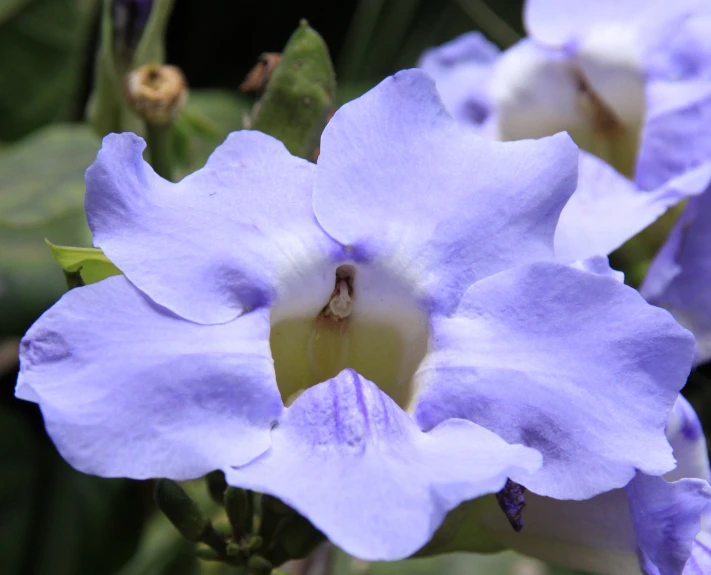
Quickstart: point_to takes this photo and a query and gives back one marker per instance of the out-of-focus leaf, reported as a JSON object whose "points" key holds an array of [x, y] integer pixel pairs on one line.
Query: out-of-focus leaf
{"points": [[41, 42], [57, 521], [162, 552], [8, 8], [41, 196], [42, 177], [90, 263]]}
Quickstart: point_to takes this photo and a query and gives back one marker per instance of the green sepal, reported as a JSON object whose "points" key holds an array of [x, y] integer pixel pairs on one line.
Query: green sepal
{"points": [[181, 510], [240, 510], [83, 266], [300, 93]]}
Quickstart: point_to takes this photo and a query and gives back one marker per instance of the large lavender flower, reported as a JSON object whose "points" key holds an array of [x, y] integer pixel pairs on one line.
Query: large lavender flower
{"points": [[374, 339], [631, 83]]}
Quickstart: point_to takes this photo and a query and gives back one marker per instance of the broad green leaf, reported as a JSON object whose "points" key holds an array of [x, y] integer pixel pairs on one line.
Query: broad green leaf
{"points": [[90, 264], [299, 95], [41, 42], [41, 196], [55, 520], [42, 176]]}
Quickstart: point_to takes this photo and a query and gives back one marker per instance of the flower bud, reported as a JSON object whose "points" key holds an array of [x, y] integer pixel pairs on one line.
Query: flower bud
{"points": [[157, 93]]}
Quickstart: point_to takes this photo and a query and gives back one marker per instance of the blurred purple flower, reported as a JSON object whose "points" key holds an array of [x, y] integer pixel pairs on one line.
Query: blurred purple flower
{"points": [[631, 83], [374, 339], [680, 276], [616, 532]]}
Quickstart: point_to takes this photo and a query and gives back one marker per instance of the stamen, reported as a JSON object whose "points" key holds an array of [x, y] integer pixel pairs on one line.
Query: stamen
{"points": [[341, 303]]}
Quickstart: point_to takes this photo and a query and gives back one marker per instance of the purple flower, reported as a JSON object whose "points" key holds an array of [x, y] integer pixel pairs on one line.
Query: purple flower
{"points": [[653, 521], [373, 339], [629, 81], [680, 276]]}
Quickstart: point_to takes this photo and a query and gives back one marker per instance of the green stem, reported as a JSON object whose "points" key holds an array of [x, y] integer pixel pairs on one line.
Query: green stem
{"points": [[160, 140]]}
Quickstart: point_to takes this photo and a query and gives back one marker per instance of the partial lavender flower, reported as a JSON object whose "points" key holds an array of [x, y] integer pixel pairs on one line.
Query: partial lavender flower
{"points": [[658, 523], [680, 275], [374, 339], [630, 82]]}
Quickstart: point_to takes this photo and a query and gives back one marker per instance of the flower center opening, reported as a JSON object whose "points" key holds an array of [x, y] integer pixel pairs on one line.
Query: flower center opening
{"points": [[368, 321]]}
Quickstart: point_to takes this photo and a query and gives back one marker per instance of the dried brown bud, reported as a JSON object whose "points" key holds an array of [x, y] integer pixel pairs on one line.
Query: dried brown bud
{"points": [[157, 93], [258, 77]]}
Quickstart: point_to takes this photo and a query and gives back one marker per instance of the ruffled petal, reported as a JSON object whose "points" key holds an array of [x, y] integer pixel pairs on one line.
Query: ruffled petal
{"points": [[345, 456], [700, 561], [674, 139], [129, 389], [399, 179], [607, 209], [462, 69], [227, 238], [666, 518], [552, 357], [559, 23], [686, 437], [680, 275]]}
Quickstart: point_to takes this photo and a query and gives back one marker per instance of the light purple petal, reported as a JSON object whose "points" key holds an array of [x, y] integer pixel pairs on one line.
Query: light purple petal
{"points": [[399, 180], [675, 139], [700, 561], [552, 357], [129, 389], [607, 209], [228, 237], [461, 69], [680, 275], [348, 458], [686, 437], [559, 22], [666, 518], [599, 265]]}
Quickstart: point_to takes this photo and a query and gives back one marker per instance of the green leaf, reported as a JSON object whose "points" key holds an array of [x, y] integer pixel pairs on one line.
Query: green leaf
{"points": [[41, 42], [42, 177], [299, 95], [55, 520], [41, 196], [90, 263]]}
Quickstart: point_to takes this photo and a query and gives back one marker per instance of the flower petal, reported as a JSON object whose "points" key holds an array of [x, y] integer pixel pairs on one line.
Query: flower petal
{"points": [[399, 179], [674, 139], [129, 389], [345, 456], [666, 518], [700, 561], [224, 239], [552, 357], [679, 276], [559, 23], [607, 209], [687, 439], [462, 69]]}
